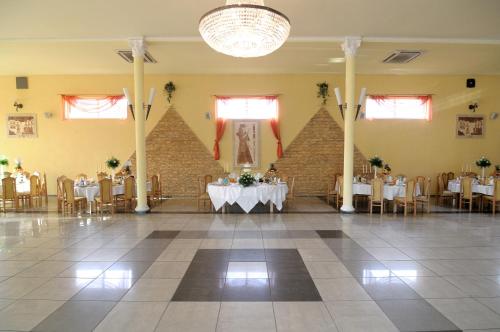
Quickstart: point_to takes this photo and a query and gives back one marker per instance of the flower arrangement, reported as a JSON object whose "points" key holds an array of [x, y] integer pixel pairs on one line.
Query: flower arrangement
{"points": [[483, 162], [376, 162], [323, 92], [19, 166], [497, 168], [387, 169], [112, 163], [246, 179], [169, 89], [4, 162]]}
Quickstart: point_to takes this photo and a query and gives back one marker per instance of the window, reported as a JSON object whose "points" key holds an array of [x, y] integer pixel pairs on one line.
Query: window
{"points": [[247, 107], [105, 107], [399, 107]]}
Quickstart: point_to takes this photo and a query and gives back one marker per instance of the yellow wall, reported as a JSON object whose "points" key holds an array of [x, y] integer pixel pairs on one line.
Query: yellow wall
{"points": [[411, 147]]}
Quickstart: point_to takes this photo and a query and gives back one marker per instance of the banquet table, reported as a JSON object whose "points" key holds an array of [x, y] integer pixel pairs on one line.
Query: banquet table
{"points": [[454, 186], [247, 197], [92, 191], [390, 191]]}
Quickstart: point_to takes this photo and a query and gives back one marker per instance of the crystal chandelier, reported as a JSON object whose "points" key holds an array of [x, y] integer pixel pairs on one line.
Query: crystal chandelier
{"points": [[244, 29]]}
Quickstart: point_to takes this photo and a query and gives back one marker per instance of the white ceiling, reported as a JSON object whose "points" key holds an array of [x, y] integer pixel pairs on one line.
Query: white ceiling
{"points": [[80, 37]]}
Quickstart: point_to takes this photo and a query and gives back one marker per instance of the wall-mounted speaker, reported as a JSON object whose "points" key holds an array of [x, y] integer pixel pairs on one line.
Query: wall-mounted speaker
{"points": [[21, 82], [470, 83]]}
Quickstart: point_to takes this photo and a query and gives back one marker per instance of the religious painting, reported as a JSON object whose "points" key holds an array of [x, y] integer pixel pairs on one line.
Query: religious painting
{"points": [[246, 144], [470, 126], [21, 125]]}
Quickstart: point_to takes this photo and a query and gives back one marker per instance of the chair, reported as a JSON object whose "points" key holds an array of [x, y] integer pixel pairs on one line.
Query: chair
{"points": [[43, 189], [7, 174], [35, 191], [450, 176], [154, 194], [71, 201], [203, 196], [495, 198], [340, 190], [128, 197], [160, 186], [60, 193], [330, 191], [377, 195], [443, 194], [425, 198], [9, 193], [420, 180], [408, 199], [466, 194], [101, 175], [26, 174], [290, 196], [105, 196]]}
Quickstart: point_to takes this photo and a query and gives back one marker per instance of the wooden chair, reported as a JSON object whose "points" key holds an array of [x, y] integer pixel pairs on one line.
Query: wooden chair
{"points": [[9, 193], [81, 176], [340, 190], [203, 196], [105, 196], [60, 193], [290, 196], [408, 199], [443, 194], [495, 198], [43, 189], [101, 175], [420, 180], [331, 193], [450, 176], [425, 198], [377, 195], [128, 198], [160, 186], [466, 194], [72, 202], [35, 191], [154, 195], [7, 174]]}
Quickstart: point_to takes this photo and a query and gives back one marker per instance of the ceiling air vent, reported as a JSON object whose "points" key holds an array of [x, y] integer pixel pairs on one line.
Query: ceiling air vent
{"points": [[402, 56], [127, 56]]}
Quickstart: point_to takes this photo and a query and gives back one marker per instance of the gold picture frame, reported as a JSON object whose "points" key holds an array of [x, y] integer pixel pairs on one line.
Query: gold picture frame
{"points": [[246, 144], [22, 125], [470, 126]]}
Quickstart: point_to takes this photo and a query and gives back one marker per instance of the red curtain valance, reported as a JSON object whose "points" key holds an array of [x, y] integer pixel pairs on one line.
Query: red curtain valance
{"points": [[92, 103]]}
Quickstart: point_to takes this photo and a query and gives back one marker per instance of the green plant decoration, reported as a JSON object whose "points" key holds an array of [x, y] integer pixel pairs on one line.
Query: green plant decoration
{"points": [[376, 162], [323, 92], [112, 163], [246, 179], [497, 168], [169, 90], [483, 162], [4, 162]]}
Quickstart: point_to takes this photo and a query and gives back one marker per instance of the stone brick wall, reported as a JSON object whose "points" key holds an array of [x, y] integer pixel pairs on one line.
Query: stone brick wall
{"points": [[174, 151], [315, 154]]}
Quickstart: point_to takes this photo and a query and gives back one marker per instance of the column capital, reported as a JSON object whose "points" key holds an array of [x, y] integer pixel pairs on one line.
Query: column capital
{"points": [[350, 45], [138, 46]]}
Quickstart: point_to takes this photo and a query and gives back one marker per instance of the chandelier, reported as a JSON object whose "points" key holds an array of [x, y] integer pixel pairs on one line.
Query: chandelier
{"points": [[244, 29]]}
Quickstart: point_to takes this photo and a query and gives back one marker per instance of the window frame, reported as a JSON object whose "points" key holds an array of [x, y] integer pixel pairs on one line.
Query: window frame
{"points": [[113, 99], [272, 98], [426, 100]]}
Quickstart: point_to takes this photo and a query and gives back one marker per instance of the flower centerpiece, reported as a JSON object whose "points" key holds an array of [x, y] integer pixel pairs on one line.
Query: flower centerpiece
{"points": [[323, 92], [387, 169], [113, 164], [19, 167], [247, 179], [483, 163], [376, 163]]}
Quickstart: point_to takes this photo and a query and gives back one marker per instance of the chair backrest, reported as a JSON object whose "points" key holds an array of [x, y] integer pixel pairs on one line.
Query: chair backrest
{"points": [[451, 176], [26, 174], [427, 188], [69, 190], [129, 188], [106, 190], [155, 184], [159, 183], [467, 188], [202, 188], [101, 175], [400, 176], [410, 190], [7, 174], [377, 190], [291, 185], [332, 181], [34, 185], [421, 183], [43, 184], [60, 186], [496, 190], [208, 179], [340, 189], [9, 188]]}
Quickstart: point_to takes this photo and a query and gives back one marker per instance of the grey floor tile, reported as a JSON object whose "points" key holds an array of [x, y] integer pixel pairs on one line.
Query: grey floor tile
{"points": [[303, 316], [367, 269], [239, 290], [142, 254], [287, 270], [388, 288], [132, 317], [23, 315], [251, 255], [189, 317], [332, 234], [104, 289], [162, 235], [353, 253], [416, 315], [76, 316], [124, 270], [166, 270], [199, 290], [282, 255], [294, 290], [246, 317]]}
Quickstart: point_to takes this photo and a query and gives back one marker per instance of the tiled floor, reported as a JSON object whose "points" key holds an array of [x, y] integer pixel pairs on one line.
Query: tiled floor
{"points": [[258, 272]]}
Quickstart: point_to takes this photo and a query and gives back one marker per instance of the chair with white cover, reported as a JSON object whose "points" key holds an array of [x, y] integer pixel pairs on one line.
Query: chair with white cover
{"points": [[377, 195], [494, 199], [408, 199], [203, 196], [443, 194], [105, 198], [425, 198], [9, 193], [72, 202], [466, 194]]}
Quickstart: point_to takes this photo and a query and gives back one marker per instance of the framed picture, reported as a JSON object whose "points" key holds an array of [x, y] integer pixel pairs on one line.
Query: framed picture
{"points": [[246, 143], [470, 126], [21, 125]]}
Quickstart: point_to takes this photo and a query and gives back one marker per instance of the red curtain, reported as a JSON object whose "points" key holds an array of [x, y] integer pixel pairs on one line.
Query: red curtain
{"points": [[276, 131], [220, 125], [79, 102], [424, 99]]}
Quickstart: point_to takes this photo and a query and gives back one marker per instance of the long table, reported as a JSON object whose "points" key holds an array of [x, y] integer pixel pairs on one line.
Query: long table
{"points": [[390, 191], [485, 189], [247, 197]]}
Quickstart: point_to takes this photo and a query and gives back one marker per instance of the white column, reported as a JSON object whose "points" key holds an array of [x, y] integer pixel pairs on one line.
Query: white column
{"points": [[138, 49], [350, 47]]}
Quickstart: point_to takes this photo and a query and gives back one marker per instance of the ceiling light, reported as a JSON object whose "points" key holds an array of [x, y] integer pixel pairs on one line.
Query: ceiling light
{"points": [[336, 60], [244, 29]]}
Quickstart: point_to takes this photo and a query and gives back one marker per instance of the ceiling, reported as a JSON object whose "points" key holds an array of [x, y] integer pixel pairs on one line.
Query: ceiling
{"points": [[81, 37]]}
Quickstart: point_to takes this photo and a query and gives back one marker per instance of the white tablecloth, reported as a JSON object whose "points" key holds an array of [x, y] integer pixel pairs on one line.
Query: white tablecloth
{"points": [[92, 191], [454, 186], [390, 191], [247, 197], [22, 186]]}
